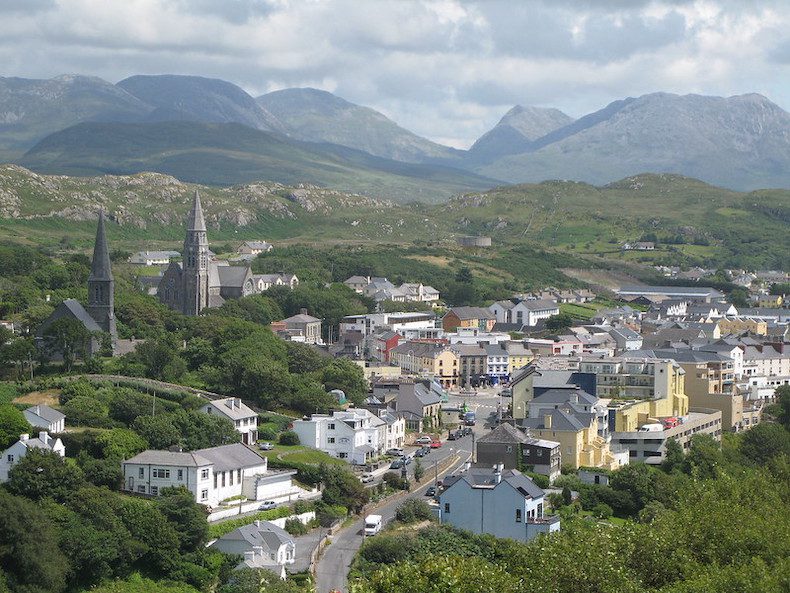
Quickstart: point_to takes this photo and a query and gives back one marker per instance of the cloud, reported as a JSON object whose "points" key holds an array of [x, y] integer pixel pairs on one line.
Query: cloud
{"points": [[446, 69]]}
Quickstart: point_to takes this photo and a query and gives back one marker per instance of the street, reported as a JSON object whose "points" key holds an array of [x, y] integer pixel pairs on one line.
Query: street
{"points": [[332, 568]]}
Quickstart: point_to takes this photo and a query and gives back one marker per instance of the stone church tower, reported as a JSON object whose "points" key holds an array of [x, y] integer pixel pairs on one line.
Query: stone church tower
{"points": [[195, 277], [101, 285]]}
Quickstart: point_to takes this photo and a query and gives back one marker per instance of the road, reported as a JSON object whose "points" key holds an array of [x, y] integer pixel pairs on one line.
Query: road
{"points": [[332, 568]]}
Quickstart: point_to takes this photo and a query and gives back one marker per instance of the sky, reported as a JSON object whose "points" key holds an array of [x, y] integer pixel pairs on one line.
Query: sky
{"points": [[445, 69]]}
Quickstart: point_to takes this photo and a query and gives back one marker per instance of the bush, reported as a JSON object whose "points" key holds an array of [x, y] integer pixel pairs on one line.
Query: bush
{"points": [[289, 437], [539, 479], [329, 514], [87, 411], [394, 481], [295, 527], [413, 510], [267, 434], [602, 511], [74, 389]]}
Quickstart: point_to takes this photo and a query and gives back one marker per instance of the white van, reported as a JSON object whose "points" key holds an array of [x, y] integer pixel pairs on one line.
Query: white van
{"points": [[651, 428], [372, 524]]}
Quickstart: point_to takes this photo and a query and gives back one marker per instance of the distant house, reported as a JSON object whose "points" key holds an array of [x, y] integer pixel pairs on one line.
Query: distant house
{"points": [[356, 435], [254, 247], [357, 283], [626, 339], [511, 447], [262, 544], [263, 282], [690, 293], [381, 289], [43, 416], [153, 258], [639, 246], [500, 502], [304, 328], [243, 417], [18, 450], [211, 475], [526, 312], [468, 317], [383, 343]]}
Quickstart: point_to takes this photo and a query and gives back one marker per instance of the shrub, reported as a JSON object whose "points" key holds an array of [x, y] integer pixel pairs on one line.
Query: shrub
{"points": [[413, 510], [295, 527], [289, 437], [394, 481], [539, 479], [267, 434], [87, 411], [602, 511], [329, 514], [74, 389]]}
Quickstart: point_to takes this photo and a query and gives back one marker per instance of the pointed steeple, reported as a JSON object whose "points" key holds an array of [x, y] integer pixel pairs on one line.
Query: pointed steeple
{"points": [[196, 222], [100, 267]]}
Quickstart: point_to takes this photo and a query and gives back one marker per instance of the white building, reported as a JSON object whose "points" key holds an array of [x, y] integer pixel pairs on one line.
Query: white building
{"points": [[263, 282], [501, 502], [18, 450], [243, 417], [474, 335], [153, 258], [355, 435], [254, 247], [212, 475], [42, 416], [400, 323], [262, 544], [524, 312]]}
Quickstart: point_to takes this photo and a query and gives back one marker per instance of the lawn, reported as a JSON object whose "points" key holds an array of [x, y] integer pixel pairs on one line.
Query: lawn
{"points": [[301, 454], [580, 311], [47, 397]]}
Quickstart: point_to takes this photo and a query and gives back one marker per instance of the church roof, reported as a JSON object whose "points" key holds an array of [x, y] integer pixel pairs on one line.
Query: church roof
{"points": [[100, 266], [232, 275], [196, 222]]}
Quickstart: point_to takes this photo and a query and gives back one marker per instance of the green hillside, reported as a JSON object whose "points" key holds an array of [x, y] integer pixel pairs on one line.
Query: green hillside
{"points": [[225, 154]]}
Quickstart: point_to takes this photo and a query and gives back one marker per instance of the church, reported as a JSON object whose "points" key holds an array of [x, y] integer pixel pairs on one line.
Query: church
{"points": [[199, 281], [99, 316]]}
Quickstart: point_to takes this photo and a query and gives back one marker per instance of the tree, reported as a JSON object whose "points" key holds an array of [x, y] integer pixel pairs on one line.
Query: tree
{"points": [[289, 438], [765, 442], [412, 510], [674, 456], [341, 487], [347, 376], [558, 323], [782, 394], [30, 556], [12, 424], [464, 275], [704, 459], [602, 511], [419, 470], [189, 518], [258, 580], [160, 431], [87, 411], [41, 474], [74, 389], [67, 337], [567, 496], [304, 359]]}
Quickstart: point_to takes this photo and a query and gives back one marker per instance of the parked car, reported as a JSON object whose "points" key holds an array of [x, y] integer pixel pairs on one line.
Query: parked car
{"points": [[422, 451], [507, 392], [466, 431], [397, 464], [366, 478], [436, 444], [431, 491], [424, 440], [451, 436], [267, 505], [406, 460], [395, 452], [265, 446]]}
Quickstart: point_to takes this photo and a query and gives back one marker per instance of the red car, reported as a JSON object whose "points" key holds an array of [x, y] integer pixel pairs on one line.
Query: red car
{"points": [[436, 444]]}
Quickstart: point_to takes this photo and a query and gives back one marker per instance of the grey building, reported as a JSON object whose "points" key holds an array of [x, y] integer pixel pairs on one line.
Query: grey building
{"points": [[514, 449]]}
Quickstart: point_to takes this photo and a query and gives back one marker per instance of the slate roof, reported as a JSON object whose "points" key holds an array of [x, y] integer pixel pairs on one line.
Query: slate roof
{"points": [[237, 412], [154, 457], [260, 533], [47, 413], [232, 275], [195, 221], [234, 456], [561, 396], [426, 395], [81, 315], [257, 244], [486, 478], [504, 434], [539, 305], [301, 318], [561, 420], [467, 313]]}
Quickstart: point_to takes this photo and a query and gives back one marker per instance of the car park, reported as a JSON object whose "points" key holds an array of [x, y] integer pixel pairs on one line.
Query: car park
{"points": [[267, 505]]}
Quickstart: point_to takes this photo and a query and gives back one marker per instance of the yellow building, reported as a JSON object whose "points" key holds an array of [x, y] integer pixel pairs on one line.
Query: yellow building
{"points": [[427, 358], [518, 356], [737, 326], [580, 444], [767, 301]]}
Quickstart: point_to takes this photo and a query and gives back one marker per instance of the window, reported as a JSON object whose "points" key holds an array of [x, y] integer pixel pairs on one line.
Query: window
{"points": [[155, 490], [141, 489], [330, 440], [539, 452], [204, 474], [238, 476], [180, 475], [159, 472], [204, 495], [230, 477], [509, 449], [141, 472], [331, 426], [447, 507], [216, 477], [343, 455], [518, 515], [10, 459], [223, 479]]}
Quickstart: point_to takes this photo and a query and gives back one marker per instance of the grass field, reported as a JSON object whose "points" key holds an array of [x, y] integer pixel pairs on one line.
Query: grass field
{"points": [[301, 454]]}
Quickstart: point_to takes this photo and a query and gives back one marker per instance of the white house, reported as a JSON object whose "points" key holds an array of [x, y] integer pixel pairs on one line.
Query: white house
{"points": [[263, 282], [18, 450], [43, 416], [524, 312], [244, 418], [501, 502], [212, 475], [153, 258], [254, 247], [355, 435], [263, 545], [626, 339]]}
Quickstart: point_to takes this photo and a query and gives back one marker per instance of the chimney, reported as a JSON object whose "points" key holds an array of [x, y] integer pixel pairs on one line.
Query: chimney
{"points": [[547, 420], [575, 397], [43, 436], [498, 472], [303, 311], [24, 437]]}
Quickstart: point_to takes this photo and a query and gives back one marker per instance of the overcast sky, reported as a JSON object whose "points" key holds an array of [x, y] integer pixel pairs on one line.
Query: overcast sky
{"points": [[447, 69]]}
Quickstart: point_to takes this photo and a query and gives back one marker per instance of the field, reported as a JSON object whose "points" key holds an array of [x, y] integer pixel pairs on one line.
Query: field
{"points": [[301, 454]]}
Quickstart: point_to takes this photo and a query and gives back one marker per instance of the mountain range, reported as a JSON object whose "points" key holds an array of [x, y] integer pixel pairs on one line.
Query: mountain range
{"points": [[212, 131]]}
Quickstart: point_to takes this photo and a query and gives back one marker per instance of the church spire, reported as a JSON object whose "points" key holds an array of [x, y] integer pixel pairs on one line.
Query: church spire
{"points": [[196, 222], [100, 267]]}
